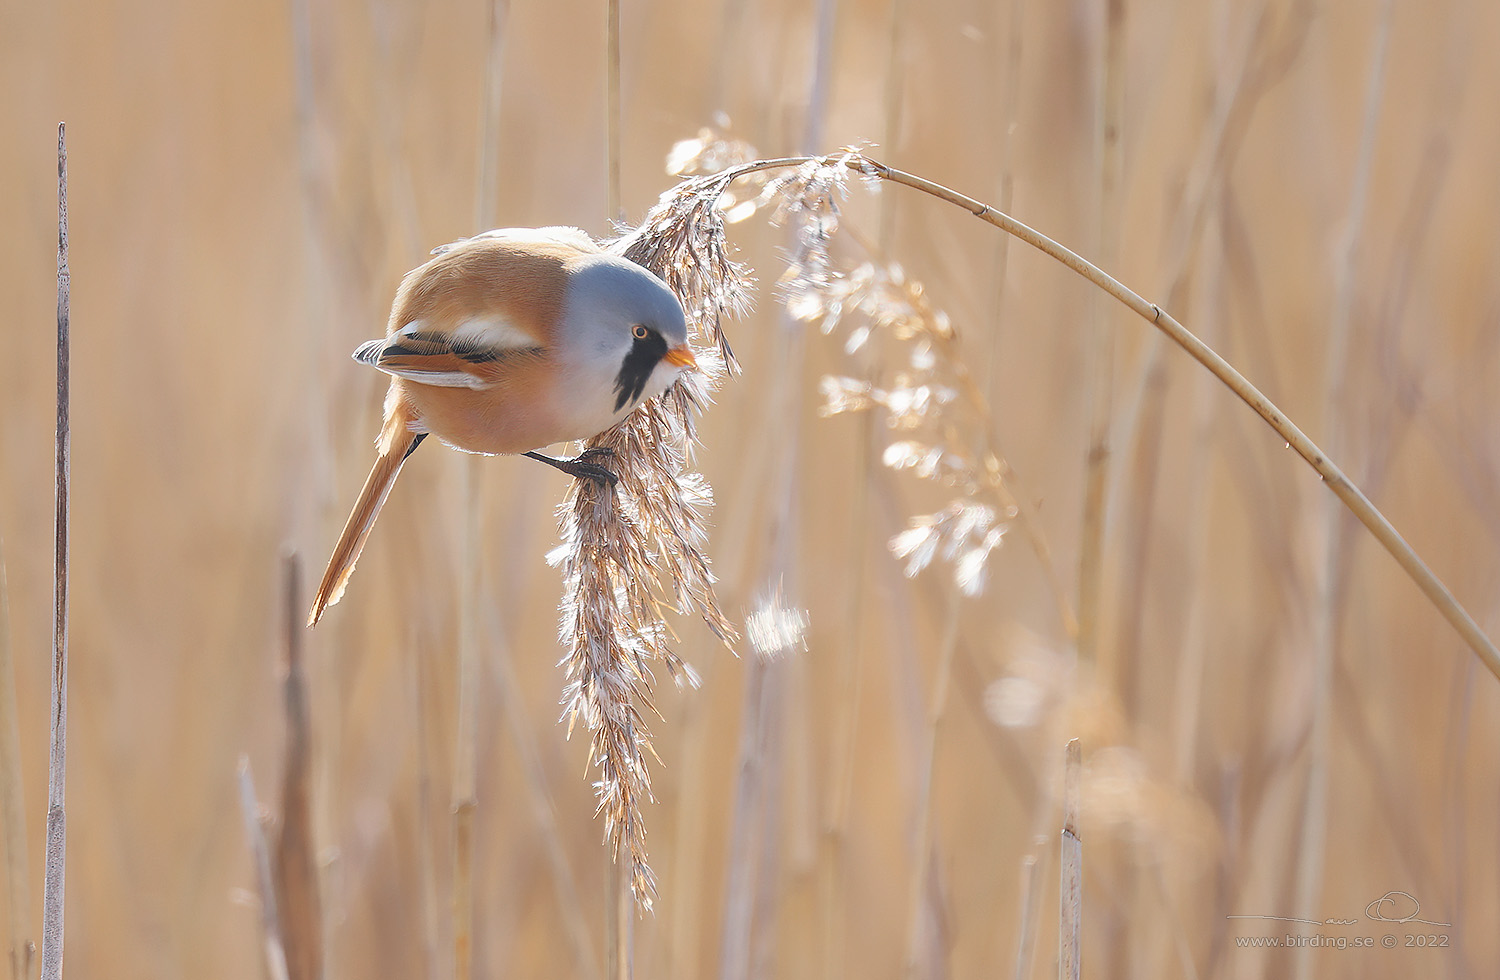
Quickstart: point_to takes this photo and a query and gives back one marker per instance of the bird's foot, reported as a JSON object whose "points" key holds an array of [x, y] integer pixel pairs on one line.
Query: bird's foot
{"points": [[585, 466]]}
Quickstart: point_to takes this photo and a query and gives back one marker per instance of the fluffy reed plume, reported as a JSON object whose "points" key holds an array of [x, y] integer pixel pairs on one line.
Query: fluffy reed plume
{"points": [[933, 403], [936, 432], [633, 551]]}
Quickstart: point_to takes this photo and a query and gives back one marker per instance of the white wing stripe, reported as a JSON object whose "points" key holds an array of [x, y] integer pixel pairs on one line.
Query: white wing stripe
{"points": [[441, 379]]}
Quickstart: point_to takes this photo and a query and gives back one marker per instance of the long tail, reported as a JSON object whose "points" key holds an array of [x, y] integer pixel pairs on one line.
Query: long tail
{"points": [[397, 441]]}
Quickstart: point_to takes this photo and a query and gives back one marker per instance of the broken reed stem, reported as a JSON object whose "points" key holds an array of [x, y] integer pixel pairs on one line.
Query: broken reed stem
{"points": [[296, 867], [1031, 904], [1070, 887], [260, 856], [52, 894], [12, 802]]}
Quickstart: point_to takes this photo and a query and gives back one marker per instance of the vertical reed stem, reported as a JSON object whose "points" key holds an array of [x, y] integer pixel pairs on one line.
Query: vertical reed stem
{"points": [[260, 856], [1313, 834], [52, 895], [12, 802], [465, 760], [1070, 891], [1101, 340], [612, 112], [922, 852], [296, 866], [619, 921], [465, 799], [1031, 904]]}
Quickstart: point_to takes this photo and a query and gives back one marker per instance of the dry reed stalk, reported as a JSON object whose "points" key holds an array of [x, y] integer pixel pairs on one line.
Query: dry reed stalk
{"points": [[619, 932], [774, 630], [1031, 868], [1194, 649], [689, 840], [465, 797], [850, 685], [1235, 258], [487, 187], [298, 907], [1272, 50], [424, 694], [894, 77], [1005, 190], [1409, 843], [927, 760], [464, 801], [614, 199], [12, 802], [775, 707], [1454, 794], [1031, 904], [735, 938], [397, 52], [57, 754], [521, 732], [1150, 939], [260, 856], [1070, 887], [1313, 832], [329, 299], [1101, 346]]}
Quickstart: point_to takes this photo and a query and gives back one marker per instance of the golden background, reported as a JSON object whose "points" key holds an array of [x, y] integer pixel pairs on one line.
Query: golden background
{"points": [[248, 183]]}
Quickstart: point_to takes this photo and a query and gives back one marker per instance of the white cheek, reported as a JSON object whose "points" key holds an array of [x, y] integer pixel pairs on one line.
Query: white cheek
{"points": [[661, 379]]}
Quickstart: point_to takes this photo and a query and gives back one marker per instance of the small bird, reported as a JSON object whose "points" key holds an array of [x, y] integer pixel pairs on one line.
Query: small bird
{"points": [[508, 342]]}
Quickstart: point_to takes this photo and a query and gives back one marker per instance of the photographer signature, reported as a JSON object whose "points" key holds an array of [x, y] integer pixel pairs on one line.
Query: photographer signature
{"points": [[1393, 906]]}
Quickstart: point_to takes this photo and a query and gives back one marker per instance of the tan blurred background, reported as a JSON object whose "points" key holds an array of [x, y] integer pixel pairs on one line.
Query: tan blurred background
{"points": [[249, 181]]}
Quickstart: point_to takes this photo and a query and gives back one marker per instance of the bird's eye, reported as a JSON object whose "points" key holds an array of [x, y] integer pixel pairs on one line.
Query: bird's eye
{"points": [[640, 331]]}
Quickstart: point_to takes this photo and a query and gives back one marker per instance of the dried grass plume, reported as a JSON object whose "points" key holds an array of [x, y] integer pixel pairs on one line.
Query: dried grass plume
{"points": [[632, 552]]}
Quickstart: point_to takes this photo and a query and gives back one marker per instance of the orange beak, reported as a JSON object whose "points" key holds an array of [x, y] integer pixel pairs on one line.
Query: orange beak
{"points": [[681, 356]]}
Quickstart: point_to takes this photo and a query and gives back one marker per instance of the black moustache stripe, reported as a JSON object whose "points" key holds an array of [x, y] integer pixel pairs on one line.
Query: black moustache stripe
{"points": [[644, 355]]}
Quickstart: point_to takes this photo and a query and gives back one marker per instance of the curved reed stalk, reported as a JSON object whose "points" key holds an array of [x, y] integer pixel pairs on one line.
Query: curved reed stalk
{"points": [[1345, 489]]}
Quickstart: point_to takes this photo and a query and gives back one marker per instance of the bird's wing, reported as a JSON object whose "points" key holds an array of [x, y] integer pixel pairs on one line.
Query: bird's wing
{"points": [[471, 356], [464, 318]]}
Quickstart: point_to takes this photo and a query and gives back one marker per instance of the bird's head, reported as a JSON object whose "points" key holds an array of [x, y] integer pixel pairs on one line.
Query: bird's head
{"points": [[626, 324]]}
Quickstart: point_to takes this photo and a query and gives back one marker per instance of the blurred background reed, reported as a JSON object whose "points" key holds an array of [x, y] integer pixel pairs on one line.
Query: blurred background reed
{"points": [[1274, 722]]}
